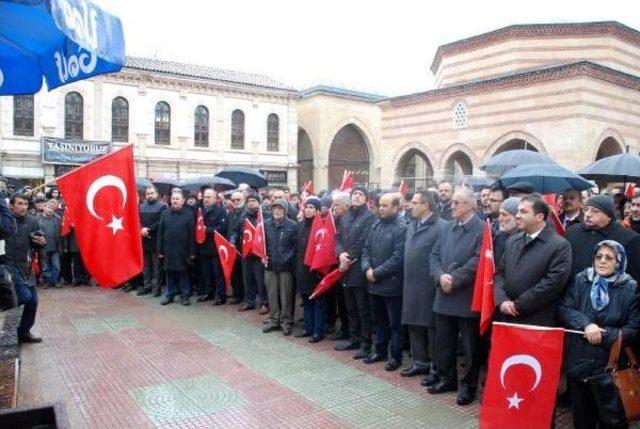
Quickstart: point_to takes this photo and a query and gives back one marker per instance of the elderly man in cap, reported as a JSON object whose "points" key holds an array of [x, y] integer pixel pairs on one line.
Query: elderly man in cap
{"points": [[506, 226], [600, 224], [280, 232], [252, 268]]}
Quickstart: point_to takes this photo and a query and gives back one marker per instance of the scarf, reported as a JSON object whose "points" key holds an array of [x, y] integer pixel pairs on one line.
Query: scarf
{"points": [[600, 285]]}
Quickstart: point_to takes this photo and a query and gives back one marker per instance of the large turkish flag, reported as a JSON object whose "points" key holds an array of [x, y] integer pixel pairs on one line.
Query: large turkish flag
{"points": [[101, 199], [523, 376]]}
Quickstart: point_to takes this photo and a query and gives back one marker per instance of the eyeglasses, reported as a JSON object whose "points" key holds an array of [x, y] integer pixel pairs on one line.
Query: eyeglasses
{"points": [[600, 257]]}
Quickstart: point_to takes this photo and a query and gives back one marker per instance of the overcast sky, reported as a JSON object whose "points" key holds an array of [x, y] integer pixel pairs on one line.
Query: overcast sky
{"points": [[379, 46]]}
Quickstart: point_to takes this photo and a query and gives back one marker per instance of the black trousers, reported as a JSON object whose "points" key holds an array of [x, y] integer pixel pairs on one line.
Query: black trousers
{"points": [[422, 341], [212, 277], [253, 278], [237, 284], [448, 328], [80, 274], [584, 408], [386, 313], [359, 310], [151, 270], [337, 309]]}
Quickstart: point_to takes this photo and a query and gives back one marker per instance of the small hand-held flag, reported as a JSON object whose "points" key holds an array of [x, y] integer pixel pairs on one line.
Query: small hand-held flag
{"points": [[403, 188], [483, 299], [629, 190], [201, 229], [347, 182], [324, 256], [259, 241], [227, 254], [327, 283], [248, 234]]}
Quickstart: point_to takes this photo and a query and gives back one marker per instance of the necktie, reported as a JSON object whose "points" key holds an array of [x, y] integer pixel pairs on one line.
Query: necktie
{"points": [[527, 239]]}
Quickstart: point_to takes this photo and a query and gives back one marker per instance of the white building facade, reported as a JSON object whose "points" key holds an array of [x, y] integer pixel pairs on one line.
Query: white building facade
{"points": [[183, 120]]}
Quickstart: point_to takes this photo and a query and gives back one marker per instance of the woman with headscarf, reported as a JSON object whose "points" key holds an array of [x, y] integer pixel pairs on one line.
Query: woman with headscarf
{"points": [[603, 302]]}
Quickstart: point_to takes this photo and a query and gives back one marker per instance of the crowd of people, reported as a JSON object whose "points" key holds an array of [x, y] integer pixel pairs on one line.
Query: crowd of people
{"points": [[409, 263]]}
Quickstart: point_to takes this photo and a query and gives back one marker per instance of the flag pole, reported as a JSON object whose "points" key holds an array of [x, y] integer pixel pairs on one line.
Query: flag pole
{"points": [[536, 327]]}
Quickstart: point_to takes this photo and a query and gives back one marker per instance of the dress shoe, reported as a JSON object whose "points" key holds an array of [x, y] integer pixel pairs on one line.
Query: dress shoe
{"points": [[316, 339], [374, 357], [413, 370], [270, 328], [233, 301], [29, 339], [142, 292], [441, 387], [302, 334], [349, 345], [204, 298], [339, 336], [264, 309], [392, 364], [246, 307], [362, 352], [185, 301], [429, 380], [166, 301], [466, 395], [286, 331], [219, 302]]}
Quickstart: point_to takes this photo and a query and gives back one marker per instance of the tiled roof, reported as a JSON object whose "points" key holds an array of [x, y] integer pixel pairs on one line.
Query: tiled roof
{"points": [[204, 72], [536, 30], [332, 90]]}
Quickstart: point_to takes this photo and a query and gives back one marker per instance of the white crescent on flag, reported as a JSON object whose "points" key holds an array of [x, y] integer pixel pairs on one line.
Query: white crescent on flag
{"points": [[527, 360], [103, 182], [248, 235], [223, 250]]}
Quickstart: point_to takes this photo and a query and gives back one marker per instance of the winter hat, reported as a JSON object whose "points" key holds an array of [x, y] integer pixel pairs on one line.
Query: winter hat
{"points": [[280, 202], [327, 201], [362, 189], [314, 201], [252, 197], [510, 205], [604, 203]]}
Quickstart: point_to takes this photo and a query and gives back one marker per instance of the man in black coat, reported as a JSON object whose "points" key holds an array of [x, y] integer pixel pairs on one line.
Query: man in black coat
{"points": [[534, 269], [150, 211], [235, 228], [571, 208], [353, 231], [454, 262], [419, 289], [215, 220], [382, 264], [600, 224], [280, 233], [176, 247], [634, 216], [252, 267], [443, 205]]}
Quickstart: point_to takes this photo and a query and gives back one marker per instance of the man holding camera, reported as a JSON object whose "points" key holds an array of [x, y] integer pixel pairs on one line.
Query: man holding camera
{"points": [[19, 249]]}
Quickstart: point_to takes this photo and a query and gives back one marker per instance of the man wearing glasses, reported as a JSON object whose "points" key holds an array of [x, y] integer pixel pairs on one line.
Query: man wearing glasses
{"points": [[235, 217]]}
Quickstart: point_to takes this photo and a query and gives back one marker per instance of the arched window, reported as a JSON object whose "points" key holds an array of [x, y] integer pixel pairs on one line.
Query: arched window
{"points": [[460, 113], [237, 129], [23, 115], [120, 120], [73, 116], [163, 123], [273, 132], [201, 126]]}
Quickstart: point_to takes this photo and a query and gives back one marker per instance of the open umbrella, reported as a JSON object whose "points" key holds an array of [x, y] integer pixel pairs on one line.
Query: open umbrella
{"points": [[478, 183], [218, 183], [142, 183], [165, 184], [505, 161], [239, 175], [545, 178], [624, 167], [62, 40]]}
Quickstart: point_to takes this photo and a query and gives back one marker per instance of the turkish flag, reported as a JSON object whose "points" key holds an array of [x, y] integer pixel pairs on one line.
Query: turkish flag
{"points": [[403, 188], [347, 182], [247, 238], [310, 251], [102, 198], [259, 245], [201, 229], [523, 375], [556, 222], [227, 254], [483, 300], [308, 188], [327, 283], [629, 190], [550, 199], [324, 256], [65, 226], [35, 263]]}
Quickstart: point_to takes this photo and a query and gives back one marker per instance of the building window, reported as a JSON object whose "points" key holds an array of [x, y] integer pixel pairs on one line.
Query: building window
{"points": [[23, 115], [73, 116], [120, 120], [460, 113], [237, 129], [201, 126], [273, 132], [163, 123]]}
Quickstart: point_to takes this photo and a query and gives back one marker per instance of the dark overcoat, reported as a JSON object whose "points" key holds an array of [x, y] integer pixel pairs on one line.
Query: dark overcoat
{"points": [[215, 219], [353, 231], [176, 239], [150, 214], [384, 253]]}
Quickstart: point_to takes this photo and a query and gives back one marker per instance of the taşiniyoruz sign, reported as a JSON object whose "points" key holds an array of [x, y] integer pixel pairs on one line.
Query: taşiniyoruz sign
{"points": [[72, 152]]}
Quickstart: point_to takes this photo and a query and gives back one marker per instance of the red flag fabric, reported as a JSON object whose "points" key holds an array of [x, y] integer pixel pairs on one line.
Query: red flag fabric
{"points": [[308, 188], [201, 229], [102, 198], [327, 283], [403, 188], [227, 254], [65, 226], [550, 199], [556, 222], [35, 263], [522, 380], [259, 247], [347, 182], [554, 213], [310, 251], [483, 300], [247, 238], [629, 190], [324, 257]]}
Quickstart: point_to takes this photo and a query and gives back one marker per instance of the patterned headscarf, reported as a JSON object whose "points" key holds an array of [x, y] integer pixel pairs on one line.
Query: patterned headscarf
{"points": [[600, 285]]}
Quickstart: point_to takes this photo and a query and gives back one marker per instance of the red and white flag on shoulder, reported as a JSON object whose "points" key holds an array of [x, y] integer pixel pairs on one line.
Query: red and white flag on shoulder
{"points": [[523, 376], [101, 197], [259, 247]]}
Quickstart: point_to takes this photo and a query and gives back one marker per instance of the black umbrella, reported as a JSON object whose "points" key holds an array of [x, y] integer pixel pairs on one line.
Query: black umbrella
{"points": [[624, 167], [244, 175], [218, 183], [505, 161], [142, 183], [165, 184], [545, 178]]}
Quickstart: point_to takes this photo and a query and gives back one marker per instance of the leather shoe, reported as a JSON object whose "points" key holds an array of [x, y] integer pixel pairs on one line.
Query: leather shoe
{"points": [[219, 302], [142, 292], [466, 395], [286, 331], [233, 301], [350, 345], [204, 298], [166, 301], [374, 357], [270, 328], [429, 380], [316, 339], [29, 339], [413, 370], [392, 365], [362, 352], [246, 307], [185, 301], [302, 334], [441, 387]]}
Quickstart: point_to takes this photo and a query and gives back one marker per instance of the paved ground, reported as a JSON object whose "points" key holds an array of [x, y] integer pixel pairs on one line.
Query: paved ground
{"points": [[121, 361]]}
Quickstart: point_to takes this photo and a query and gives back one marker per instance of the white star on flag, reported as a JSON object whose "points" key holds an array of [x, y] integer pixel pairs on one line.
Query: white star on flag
{"points": [[116, 224], [514, 401]]}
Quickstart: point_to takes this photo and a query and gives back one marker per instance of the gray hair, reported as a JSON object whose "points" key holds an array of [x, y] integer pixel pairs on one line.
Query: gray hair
{"points": [[343, 198], [467, 195]]}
